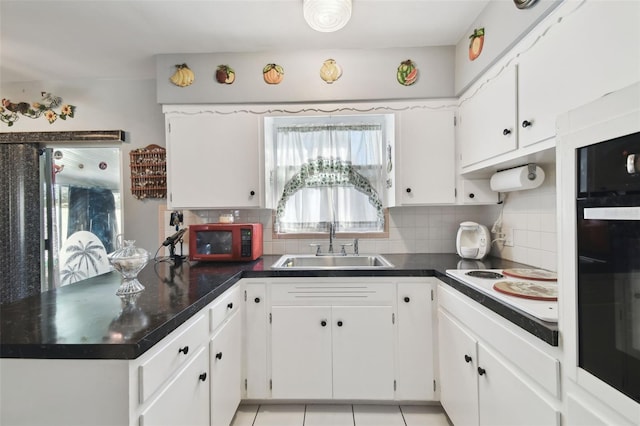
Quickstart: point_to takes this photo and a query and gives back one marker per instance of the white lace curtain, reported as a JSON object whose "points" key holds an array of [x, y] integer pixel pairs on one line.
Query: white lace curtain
{"points": [[329, 174]]}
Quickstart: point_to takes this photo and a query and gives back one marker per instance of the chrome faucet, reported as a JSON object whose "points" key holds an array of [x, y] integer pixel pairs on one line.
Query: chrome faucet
{"points": [[332, 235]]}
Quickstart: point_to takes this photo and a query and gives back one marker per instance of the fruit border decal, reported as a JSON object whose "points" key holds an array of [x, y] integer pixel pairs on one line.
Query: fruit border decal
{"points": [[225, 74], [407, 73], [183, 76], [272, 73], [46, 108], [476, 43], [330, 71]]}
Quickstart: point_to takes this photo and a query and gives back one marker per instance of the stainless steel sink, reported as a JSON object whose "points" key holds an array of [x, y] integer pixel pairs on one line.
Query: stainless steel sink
{"points": [[305, 261]]}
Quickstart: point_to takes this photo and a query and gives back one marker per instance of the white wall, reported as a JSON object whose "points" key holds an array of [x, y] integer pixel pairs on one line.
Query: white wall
{"points": [[367, 74], [105, 105]]}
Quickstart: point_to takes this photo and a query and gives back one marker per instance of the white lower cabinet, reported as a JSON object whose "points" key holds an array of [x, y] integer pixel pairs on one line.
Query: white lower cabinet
{"points": [[458, 372], [185, 400], [225, 368], [301, 352], [324, 352], [166, 385], [505, 398], [340, 338], [479, 385], [363, 364], [255, 340], [416, 353], [479, 389], [203, 367], [339, 352]]}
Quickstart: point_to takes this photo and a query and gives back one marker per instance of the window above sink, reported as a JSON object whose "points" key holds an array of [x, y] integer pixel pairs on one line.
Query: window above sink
{"points": [[329, 170]]}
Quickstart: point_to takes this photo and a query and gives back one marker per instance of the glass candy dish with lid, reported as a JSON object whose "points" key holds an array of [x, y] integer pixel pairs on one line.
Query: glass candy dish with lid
{"points": [[129, 261]]}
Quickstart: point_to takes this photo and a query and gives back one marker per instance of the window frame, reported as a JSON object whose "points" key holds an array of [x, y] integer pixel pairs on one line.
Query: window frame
{"points": [[271, 123]]}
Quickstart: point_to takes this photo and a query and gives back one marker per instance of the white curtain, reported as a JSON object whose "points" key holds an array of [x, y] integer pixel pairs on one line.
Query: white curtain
{"points": [[329, 174]]}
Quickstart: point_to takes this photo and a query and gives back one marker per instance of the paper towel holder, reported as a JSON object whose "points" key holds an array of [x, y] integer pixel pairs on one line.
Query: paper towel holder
{"points": [[527, 176]]}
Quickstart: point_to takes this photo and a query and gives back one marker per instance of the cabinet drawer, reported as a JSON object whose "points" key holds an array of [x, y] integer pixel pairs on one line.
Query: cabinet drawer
{"points": [[333, 292], [170, 357], [185, 399], [225, 306]]}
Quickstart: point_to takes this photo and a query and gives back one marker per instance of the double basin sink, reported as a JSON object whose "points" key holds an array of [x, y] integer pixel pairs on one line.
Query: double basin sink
{"points": [[305, 261]]}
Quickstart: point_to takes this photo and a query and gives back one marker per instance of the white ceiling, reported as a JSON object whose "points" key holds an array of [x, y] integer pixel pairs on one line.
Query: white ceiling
{"points": [[79, 39]]}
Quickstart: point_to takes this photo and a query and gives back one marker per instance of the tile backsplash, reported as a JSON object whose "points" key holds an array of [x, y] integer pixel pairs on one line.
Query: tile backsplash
{"points": [[418, 229], [531, 215], [424, 229]]}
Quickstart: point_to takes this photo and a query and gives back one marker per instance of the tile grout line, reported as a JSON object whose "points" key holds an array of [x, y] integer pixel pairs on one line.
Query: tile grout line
{"points": [[304, 415], [255, 417], [402, 414]]}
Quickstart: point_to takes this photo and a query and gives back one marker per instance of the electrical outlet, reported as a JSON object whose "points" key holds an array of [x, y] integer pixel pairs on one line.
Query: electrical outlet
{"points": [[508, 237]]}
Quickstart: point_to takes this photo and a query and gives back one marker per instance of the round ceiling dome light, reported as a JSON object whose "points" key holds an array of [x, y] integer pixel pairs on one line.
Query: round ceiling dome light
{"points": [[327, 15]]}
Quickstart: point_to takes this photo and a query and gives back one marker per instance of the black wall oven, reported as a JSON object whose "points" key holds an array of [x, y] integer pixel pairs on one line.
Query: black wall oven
{"points": [[608, 269]]}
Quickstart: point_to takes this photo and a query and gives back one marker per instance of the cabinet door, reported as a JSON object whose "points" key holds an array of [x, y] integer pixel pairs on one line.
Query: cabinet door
{"points": [[363, 363], [507, 400], [415, 342], [301, 352], [458, 372], [185, 399], [225, 355], [476, 191], [213, 161], [426, 152], [592, 52], [487, 119], [255, 342]]}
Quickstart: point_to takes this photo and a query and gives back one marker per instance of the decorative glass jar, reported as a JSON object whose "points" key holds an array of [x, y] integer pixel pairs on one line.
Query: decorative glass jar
{"points": [[129, 261]]}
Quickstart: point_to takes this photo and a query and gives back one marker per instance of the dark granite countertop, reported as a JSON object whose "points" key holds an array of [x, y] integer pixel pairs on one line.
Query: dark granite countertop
{"points": [[87, 320]]}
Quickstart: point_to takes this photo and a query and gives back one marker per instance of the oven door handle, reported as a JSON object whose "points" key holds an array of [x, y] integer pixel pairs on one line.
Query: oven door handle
{"points": [[612, 213]]}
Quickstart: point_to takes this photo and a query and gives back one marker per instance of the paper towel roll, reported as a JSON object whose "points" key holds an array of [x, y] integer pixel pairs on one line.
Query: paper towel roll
{"points": [[516, 179]]}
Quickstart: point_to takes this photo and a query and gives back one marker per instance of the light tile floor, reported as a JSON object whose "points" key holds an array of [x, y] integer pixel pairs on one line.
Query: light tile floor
{"points": [[340, 415]]}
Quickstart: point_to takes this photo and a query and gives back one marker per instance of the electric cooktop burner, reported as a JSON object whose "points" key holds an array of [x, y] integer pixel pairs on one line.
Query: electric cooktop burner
{"points": [[485, 274]]}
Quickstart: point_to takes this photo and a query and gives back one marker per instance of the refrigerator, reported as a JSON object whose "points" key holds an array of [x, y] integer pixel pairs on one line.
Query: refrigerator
{"points": [[61, 215]]}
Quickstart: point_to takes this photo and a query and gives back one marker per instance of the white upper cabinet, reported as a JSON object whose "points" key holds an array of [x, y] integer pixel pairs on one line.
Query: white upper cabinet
{"points": [[581, 52], [591, 52], [426, 157], [213, 160], [487, 119]]}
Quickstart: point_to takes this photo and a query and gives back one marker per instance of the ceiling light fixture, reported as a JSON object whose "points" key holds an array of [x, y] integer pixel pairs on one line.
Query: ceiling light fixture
{"points": [[327, 15]]}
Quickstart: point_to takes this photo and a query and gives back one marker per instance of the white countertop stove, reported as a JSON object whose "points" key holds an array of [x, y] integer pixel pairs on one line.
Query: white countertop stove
{"points": [[544, 310]]}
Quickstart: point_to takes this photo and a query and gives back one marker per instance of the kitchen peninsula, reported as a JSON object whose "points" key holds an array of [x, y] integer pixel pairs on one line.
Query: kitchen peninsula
{"points": [[86, 321], [184, 324]]}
